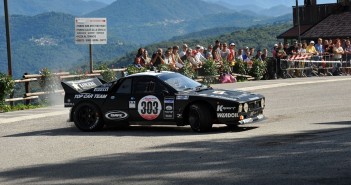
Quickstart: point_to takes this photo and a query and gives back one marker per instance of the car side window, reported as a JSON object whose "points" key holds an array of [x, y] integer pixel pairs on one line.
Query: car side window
{"points": [[125, 87], [147, 85]]}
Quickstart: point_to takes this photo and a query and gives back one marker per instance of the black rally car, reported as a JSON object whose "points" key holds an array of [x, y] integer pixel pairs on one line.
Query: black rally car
{"points": [[155, 98]]}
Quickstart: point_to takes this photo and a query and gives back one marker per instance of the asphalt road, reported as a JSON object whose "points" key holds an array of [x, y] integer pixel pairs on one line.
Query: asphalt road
{"points": [[305, 139]]}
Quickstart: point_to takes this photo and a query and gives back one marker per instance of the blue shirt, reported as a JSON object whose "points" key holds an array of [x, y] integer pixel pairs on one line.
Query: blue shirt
{"points": [[319, 48]]}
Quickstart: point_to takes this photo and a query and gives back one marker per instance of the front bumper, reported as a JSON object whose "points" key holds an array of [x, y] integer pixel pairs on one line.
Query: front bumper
{"points": [[250, 120]]}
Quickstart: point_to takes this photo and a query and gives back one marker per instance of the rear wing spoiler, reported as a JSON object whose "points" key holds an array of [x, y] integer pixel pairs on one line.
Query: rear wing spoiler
{"points": [[78, 86]]}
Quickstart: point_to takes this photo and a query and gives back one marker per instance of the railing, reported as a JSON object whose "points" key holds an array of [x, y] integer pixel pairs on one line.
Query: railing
{"points": [[29, 78]]}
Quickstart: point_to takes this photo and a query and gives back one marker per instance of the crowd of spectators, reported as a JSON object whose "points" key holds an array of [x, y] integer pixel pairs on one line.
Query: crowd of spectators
{"points": [[322, 50], [220, 53], [175, 57]]}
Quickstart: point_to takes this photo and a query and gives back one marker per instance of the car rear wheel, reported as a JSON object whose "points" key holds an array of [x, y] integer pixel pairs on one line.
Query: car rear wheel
{"points": [[87, 117], [200, 118]]}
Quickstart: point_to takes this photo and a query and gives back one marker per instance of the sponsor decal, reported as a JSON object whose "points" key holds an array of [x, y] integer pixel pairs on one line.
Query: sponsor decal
{"points": [[87, 85], [89, 96], [116, 115], [182, 97], [221, 108], [132, 104], [179, 116], [69, 104], [168, 113], [149, 107], [227, 115], [218, 92], [105, 89]]}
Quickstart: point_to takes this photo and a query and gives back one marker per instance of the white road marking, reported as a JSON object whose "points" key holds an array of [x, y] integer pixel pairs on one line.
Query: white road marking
{"points": [[35, 116], [290, 84]]}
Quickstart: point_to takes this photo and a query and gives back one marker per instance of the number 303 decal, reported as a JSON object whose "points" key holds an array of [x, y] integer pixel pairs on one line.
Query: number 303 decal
{"points": [[149, 107]]}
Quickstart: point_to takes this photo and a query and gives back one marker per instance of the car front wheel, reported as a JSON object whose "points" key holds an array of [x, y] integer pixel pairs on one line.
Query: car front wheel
{"points": [[87, 117], [200, 118]]}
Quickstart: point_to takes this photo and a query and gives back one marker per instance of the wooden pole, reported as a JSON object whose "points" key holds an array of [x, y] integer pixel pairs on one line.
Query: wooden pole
{"points": [[91, 58], [8, 38]]}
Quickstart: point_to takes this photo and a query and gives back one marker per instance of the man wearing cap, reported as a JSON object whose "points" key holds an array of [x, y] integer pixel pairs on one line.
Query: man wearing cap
{"points": [[232, 53], [199, 53], [311, 49]]}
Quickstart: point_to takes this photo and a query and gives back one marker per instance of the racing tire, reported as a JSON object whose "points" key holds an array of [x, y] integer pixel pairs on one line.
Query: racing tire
{"points": [[87, 117], [200, 118]]}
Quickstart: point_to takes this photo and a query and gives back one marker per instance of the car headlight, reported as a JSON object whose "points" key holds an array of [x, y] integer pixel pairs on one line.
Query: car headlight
{"points": [[246, 107], [263, 103], [240, 108]]}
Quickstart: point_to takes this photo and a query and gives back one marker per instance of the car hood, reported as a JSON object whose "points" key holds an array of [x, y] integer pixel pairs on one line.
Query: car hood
{"points": [[233, 95]]}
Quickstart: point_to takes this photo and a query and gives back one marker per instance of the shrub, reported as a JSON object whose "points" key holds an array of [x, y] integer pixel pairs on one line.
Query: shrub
{"points": [[132, 69], [107, 73], [188, 70], [258, 69], [48, 81], [6, 88]]}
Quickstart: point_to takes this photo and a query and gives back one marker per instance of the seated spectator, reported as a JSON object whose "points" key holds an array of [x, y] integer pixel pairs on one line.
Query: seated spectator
{"points": [[208, 52], [189, 57], [183, 52], [157, 58], [146, 58], [176, 58], [138, 60], [168, 59], [198, 53]]}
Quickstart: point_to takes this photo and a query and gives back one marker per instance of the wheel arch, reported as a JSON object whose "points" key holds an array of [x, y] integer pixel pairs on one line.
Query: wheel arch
{"points": [[208, 104]]}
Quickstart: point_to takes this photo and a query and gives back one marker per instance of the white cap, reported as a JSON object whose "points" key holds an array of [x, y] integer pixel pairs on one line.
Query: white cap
{"points": [[275, 45], [197, 46], [312, 42], [202, 47], [232, 44]]}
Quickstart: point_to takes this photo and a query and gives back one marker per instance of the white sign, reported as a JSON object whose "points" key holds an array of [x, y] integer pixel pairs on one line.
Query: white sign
{"points": [[91, 31]]}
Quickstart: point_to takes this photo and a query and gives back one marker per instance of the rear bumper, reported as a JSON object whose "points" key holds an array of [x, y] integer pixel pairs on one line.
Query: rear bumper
{"points": [[250, 120]]}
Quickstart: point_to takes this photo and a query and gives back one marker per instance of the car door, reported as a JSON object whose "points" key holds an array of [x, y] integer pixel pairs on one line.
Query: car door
{"points": [[153, 101], [117, 105]]}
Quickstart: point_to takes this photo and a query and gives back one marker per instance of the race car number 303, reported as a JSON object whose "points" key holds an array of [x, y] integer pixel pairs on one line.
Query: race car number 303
{"points": [[149, 107]]}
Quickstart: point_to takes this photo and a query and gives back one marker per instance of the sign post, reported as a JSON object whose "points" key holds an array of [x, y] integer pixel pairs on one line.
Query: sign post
{"points": [[91, 31]]}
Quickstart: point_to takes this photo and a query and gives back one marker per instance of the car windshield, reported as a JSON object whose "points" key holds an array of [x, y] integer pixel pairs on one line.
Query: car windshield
{"points": [[180, 82]]}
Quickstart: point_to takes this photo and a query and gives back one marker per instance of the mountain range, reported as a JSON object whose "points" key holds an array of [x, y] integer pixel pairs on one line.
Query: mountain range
{"points": [[47, 39]]}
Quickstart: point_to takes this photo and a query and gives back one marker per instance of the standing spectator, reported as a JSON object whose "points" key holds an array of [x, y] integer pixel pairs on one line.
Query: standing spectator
{"points": [[293, 48], [281, 54], [251, 54], [319, 46], [146, 58], [274, 51], [157, 58], [231, 57], [138, 60], [264, 55], [246, 54], [183, 52], [216, 52], [338, 52], [258, 56], [224, 52], [311, 49], [348, 55], [239, 56]]}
